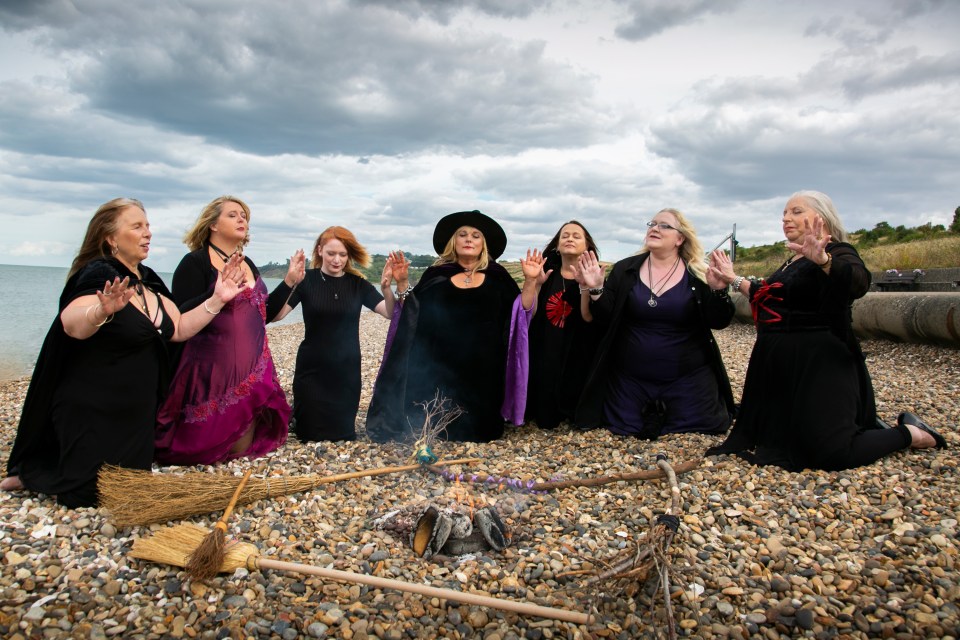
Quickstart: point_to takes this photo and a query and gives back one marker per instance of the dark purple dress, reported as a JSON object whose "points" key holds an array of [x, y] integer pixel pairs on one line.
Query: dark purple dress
{"points": [[663, 382]]}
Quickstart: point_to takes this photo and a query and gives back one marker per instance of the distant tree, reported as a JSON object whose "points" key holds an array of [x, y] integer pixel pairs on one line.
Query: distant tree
{"points": [[955, 225]]}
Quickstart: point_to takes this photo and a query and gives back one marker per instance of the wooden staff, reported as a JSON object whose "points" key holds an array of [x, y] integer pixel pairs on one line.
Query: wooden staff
{"points": [[653, 474], [141, 497], [174, 544]]}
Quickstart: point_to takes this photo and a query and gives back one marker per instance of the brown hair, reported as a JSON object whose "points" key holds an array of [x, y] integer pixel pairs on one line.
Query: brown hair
{"points": [[199, 234], [102, 225], [356, 254]]}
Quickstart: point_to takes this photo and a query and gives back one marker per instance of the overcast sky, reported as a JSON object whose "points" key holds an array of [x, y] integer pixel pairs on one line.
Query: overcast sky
{"points": [[384, 115]]}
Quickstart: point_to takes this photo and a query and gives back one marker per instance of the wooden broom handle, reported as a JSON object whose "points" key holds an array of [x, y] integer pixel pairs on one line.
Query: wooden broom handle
{"points": [[386, 470], [222, 523], [525, 608]]}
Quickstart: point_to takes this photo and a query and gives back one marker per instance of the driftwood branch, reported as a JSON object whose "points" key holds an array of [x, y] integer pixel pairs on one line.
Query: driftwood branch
{"points": [[491, 480]]}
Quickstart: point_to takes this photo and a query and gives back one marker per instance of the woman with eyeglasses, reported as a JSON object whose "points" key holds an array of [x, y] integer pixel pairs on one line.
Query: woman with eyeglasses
{"points": [[807, 398], [658, 369]]}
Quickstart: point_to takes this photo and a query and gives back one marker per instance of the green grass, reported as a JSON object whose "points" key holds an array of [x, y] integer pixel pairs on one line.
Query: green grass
{"points": [[934, 253]]}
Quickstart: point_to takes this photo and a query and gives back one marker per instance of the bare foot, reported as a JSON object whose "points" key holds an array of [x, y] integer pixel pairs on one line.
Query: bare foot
{"points": [[245, 440], [11, 483], [920, 439]]}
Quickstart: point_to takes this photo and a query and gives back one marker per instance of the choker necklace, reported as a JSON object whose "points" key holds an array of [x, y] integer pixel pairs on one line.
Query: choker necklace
{"points": [[220, 252], [336, 294], [662, 283]]}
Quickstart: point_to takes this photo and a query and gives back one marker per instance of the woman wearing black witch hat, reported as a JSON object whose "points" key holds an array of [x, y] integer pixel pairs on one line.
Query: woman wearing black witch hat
{"points": [[460, 332]]}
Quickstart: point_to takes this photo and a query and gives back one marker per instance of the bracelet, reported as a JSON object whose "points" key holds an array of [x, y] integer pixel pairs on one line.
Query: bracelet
{"points": [[207, 309], [86, 314], [826, 265], [737, 282], [596, 292], [720, 293], [402, 295]]}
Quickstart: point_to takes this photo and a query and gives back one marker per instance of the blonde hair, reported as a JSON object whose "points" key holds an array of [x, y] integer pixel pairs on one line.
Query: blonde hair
{"points": [[356, 254], [199, 234], [102, 225], [824, 207], [691, 251], [449, 254]]}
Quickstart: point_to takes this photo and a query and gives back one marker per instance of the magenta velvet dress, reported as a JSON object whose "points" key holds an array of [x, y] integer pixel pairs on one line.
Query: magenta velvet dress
{"points": [[225, 381]]}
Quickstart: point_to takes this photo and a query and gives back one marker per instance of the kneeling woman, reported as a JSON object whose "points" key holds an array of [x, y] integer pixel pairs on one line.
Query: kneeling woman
{"points": [[658, 369], [326, 384], [103, 366], [225, 400], [453, 337]]}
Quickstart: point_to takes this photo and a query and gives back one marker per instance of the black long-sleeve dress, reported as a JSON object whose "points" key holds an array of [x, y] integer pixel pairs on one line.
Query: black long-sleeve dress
{"points": [[326, 384], [94, 401], [684, 386], [807, 399], [562, 344]]}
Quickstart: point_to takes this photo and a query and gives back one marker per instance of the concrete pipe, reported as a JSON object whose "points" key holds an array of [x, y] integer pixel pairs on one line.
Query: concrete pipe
{"points": [[923, 318]]}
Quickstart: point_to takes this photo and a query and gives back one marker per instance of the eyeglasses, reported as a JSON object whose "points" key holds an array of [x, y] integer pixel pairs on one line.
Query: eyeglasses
{"points": [[663, 226]]}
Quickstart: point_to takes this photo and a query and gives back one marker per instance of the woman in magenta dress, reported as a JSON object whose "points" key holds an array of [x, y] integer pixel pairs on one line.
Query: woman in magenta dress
{"points": [[225, 400]]}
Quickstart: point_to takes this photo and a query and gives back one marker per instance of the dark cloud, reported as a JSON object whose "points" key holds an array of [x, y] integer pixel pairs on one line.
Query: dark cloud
{"points": [[313, 80], [442, 11], [650, 17]]}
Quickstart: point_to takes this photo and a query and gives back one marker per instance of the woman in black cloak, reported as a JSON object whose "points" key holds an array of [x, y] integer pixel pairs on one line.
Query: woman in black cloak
{"points": [[93, 396], [807, 399], [461, 332]]}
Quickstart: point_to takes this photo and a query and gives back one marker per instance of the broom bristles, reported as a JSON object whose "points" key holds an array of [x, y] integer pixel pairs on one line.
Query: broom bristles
{"points": [[173, 546], [134, 496], [204, 562]]}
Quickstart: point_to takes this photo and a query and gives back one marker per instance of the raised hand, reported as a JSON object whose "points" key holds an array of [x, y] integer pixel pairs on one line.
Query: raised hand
{"points": [[532, 265], [589, 272], [401, 268], [297, 269], [720, 268], [115, 295], [813, 245]]}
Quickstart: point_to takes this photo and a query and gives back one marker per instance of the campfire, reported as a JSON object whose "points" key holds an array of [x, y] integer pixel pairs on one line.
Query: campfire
{"points": [[451, 530]]}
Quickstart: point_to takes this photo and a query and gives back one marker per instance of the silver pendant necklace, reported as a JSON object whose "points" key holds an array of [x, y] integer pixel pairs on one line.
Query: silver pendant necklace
{"points": [[336, 293], [467, 276], [662, 283]]}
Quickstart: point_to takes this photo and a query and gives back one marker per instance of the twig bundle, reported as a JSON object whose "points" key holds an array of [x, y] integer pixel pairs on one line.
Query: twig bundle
{"points": [[205, 561], [174, 544], [142, 497]]}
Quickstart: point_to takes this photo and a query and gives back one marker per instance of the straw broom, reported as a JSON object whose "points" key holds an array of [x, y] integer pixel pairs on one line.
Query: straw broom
{"points": [[205, 561], [142, 497], [174, 544]]}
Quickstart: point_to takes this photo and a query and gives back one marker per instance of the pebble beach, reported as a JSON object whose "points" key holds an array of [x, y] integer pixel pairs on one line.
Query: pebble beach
{"points": [[760, 552]]}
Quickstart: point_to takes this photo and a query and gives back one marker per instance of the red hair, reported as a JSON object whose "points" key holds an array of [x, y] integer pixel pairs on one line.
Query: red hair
{"points": [[356, 254]]}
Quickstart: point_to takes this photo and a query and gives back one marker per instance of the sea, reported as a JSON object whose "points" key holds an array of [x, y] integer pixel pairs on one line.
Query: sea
{"points": [[28, 304]]}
